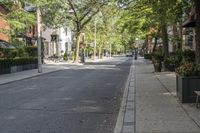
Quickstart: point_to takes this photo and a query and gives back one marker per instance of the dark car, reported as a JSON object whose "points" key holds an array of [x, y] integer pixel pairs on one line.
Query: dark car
{"points": [[4, 44]]}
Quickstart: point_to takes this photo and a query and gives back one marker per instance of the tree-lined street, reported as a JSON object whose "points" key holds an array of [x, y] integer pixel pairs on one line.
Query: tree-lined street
{"points": [[104, 66], [82, 99]]}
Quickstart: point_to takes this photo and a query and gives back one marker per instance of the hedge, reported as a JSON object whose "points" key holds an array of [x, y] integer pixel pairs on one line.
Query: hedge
{"points": [[7, 63], [30, 51], [148, 56]]}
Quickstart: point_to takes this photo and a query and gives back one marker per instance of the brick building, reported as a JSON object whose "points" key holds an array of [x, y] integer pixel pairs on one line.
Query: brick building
{"points": [[3, 25]]}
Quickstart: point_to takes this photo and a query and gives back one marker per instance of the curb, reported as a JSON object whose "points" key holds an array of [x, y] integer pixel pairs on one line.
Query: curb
{"points": [[122, 112], [36, 75]]}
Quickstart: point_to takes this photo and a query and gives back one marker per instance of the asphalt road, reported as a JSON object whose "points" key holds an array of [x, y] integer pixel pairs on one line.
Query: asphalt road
{"points": [[83, 99]]}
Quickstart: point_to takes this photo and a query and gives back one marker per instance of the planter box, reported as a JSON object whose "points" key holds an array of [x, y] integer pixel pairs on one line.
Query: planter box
{"points": [[19, 68], [5, 70], [185, 87]]}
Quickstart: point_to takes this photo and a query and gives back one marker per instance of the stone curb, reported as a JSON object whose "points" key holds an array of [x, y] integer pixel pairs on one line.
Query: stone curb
{"points": [[125, 121]]}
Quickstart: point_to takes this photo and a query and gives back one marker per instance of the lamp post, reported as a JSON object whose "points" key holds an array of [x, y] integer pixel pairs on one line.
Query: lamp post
{"points": [[39, 41]]}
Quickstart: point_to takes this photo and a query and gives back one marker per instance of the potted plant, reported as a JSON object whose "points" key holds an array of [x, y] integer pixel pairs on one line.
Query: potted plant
{"points": [[157, 59], [170, 63], [187, 81]]}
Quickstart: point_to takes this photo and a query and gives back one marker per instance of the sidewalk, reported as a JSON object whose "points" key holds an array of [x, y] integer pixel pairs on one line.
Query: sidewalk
{"points": [[150, 104], [46, 68]]}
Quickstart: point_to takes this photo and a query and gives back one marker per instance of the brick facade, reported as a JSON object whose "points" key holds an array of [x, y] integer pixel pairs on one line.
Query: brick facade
{"points": [[3, 25]]}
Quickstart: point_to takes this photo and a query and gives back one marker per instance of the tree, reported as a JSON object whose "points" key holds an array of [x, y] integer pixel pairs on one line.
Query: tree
{"points": [[16, 16], [81, 13]]}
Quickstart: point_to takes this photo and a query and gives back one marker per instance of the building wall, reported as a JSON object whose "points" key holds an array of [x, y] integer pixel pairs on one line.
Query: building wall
{"points": [[64, 42], [3, 25]]}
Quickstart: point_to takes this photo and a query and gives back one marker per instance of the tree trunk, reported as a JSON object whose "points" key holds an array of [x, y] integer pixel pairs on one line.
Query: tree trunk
{"points": [[77, 42], [180, 43], [155, 44], [197, 30], [175, 37], [77, 48], [100, 55], [165, 39]]}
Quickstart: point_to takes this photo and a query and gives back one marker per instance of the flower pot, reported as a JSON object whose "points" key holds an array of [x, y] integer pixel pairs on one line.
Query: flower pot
{"points": [[185, 87]]}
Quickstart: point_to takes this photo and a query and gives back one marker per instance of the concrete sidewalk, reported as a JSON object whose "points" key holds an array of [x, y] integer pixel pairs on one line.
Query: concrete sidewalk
{"points": [[150, 105], [157, 107]]}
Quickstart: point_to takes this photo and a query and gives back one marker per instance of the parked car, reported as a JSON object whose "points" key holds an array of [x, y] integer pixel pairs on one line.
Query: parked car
{"points": [[129, 55], [4, 44]]}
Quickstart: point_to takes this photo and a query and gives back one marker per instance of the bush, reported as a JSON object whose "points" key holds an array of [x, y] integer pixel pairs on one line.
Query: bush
{"points": [[65, 56], [188, 56], [21, 52], [186, 69], [72, 55], [31, 51], [148, 56], [8, 53], [17, 43], [157, 56], [6, 63], [170, 61]]}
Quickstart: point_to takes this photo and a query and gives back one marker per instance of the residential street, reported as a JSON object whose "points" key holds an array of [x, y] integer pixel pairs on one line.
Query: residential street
{"points": [[83, 99]]}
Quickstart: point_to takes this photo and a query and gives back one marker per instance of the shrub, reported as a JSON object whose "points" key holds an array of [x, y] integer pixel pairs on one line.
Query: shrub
{"points": [[65, 56], [189, 69], [18, 52], [31, 51], [148, 56], [21, 52], [6, 63], [17, 43], [72, 55], [157, 56], [170, 61], [186, 69], [8, 52], [188, 56]]}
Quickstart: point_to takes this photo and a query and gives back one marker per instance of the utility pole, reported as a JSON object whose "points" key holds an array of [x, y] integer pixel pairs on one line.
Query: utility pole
{"points": [[95, 37], [39, 41]]}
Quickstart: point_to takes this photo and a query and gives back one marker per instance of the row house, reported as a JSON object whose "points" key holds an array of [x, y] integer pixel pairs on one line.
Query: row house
{"points": [[54, 41], [189, 30], [57, 41]]}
